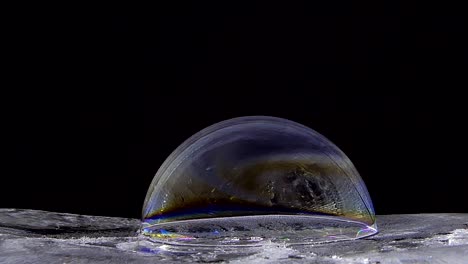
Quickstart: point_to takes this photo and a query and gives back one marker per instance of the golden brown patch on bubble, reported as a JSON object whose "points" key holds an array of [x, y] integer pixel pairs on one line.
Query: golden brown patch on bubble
{"points": [[263, 187]]}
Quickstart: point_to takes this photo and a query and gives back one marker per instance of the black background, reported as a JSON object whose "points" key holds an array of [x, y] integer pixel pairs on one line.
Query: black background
{"points": [[97, 97]]}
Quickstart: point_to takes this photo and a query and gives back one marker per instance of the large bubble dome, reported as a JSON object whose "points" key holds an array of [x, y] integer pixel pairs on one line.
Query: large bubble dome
{"points": [[251, 180]]}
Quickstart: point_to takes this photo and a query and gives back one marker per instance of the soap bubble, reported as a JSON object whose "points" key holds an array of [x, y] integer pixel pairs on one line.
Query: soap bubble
{"points": [[251, 180]]}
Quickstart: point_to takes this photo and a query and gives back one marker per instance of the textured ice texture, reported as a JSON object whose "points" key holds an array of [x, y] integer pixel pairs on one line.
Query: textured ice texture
{"points": [[30, 236], [268, 167]]}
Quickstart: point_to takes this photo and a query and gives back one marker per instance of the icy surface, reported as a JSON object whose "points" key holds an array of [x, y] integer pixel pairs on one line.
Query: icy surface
{"points": [[31, 236]]}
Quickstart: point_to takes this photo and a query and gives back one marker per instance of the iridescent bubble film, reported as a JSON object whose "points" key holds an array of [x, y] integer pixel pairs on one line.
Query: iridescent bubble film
{"points": [[257, 173]]}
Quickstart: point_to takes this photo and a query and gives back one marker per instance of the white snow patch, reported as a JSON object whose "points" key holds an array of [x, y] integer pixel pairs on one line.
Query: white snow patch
{"points": [[272, 252], [457, 237]]}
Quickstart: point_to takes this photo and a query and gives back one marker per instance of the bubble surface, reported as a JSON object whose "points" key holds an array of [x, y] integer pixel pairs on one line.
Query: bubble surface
{"points": [[257, 173]]}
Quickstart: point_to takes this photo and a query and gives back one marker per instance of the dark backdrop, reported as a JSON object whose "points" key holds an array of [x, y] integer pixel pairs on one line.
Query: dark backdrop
{"points": [[99, 97]]}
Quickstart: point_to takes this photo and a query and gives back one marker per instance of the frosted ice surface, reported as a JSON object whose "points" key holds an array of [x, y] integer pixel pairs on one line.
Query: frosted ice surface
{"points": [[29, 236]]}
